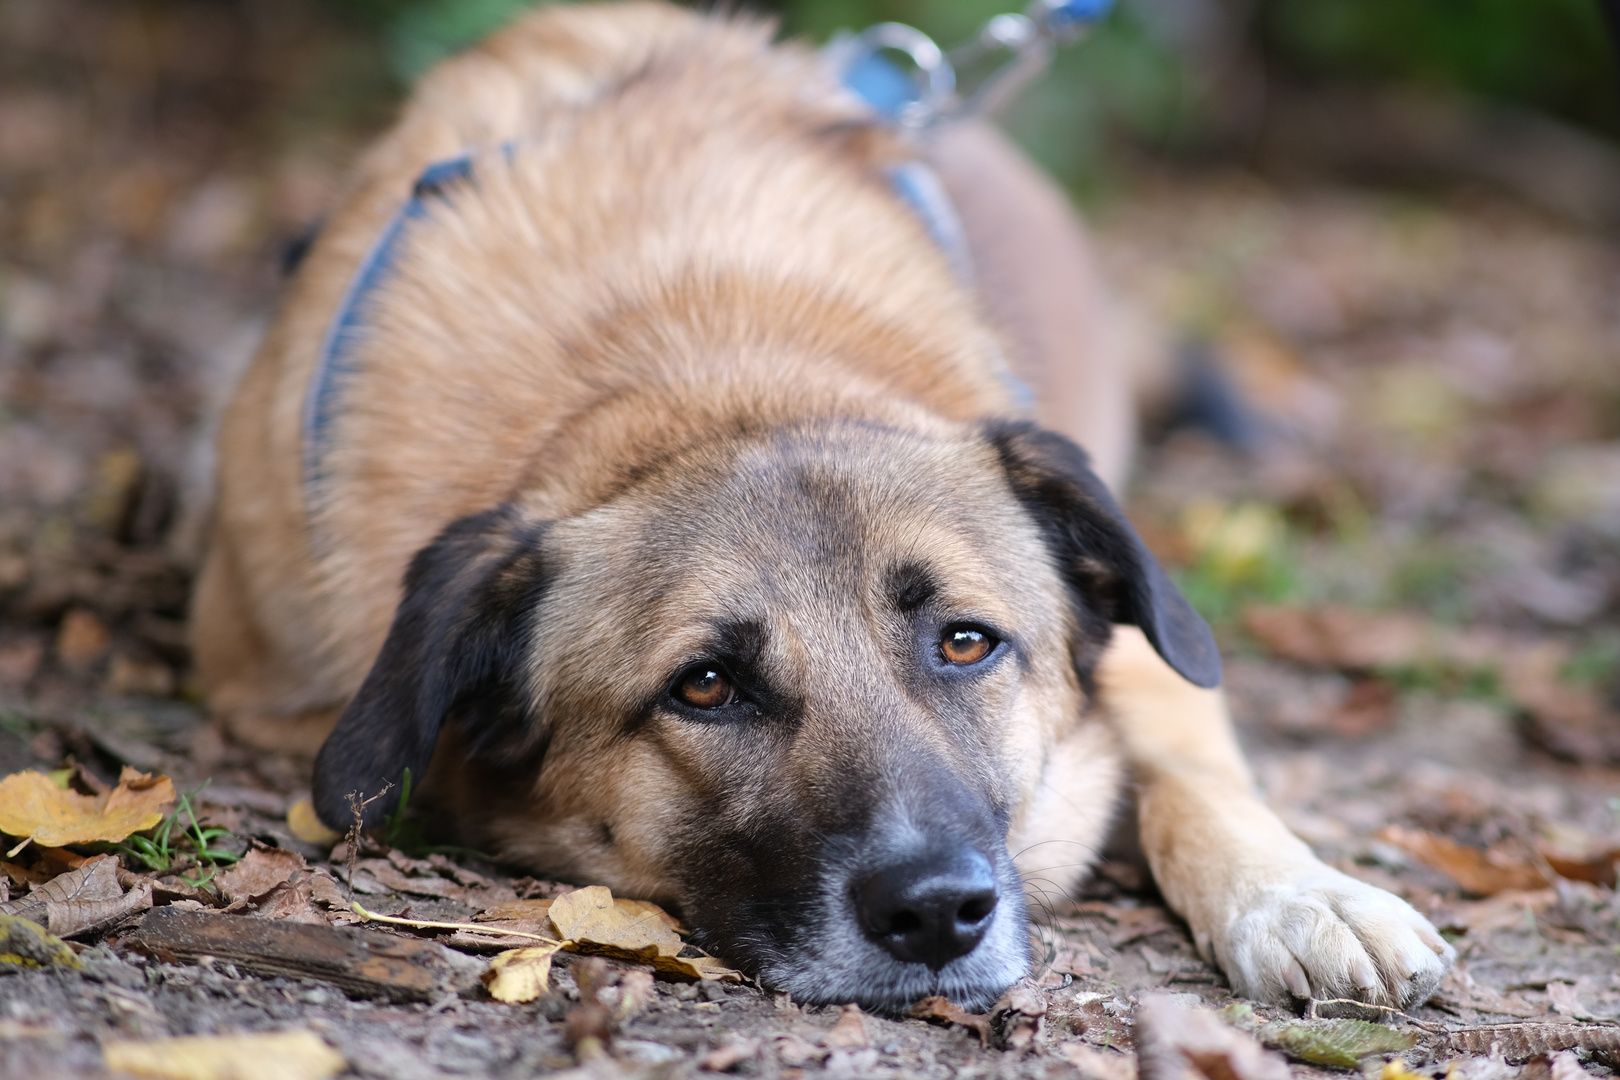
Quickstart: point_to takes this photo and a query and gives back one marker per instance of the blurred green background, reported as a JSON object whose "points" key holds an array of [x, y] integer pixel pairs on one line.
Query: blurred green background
{"points": [[1191, 79]]}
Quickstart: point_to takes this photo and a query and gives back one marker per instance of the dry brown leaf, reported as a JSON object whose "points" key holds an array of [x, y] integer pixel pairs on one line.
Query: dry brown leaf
{"points": [[591, 918], [1599, 869], [324, 890], [945, 1011], [1498, 912], [729, 1054], [284, 1055], [516, 911], [1564, 1065], [1459, 990], [696, 967], [32, 806], [1097, 1064], [849, 1032], [1020, 1014], [521, 975], [1177, 1043], [1570, 721], [303, 823], [1131, 924], [1518, 1043], [259, 871], [635, 994], [1483, 873], [290, 900], [81, 900], [421, 877], [1340, 637]]}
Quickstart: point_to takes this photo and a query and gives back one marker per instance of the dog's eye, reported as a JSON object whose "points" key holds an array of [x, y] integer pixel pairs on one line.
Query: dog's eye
{"points": [[704, 687], [965, 645]]}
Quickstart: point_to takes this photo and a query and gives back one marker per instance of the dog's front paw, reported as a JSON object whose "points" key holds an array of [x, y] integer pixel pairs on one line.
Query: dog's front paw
{"points": [[1323, 934]]}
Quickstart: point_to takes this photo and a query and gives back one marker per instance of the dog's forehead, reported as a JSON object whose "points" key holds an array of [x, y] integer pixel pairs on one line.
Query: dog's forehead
{"points": [[813, 523]]}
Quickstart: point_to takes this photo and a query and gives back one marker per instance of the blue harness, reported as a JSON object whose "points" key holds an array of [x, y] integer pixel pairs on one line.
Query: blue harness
{"points": [[905, 99]]}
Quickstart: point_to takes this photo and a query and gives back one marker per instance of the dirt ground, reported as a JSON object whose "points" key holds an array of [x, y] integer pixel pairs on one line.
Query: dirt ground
{"points": [[1407, 542]]}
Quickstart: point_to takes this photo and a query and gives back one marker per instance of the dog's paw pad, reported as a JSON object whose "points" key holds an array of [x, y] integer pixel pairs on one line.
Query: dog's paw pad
{"points": [[1326, 935]]}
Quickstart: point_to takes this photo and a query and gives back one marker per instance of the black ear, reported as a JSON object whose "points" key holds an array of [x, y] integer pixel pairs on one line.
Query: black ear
{"points": [[1098, 551], [458, 646]]}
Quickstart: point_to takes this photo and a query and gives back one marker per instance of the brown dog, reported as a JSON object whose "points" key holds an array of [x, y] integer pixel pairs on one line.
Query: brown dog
{"points": [[733, 576]]}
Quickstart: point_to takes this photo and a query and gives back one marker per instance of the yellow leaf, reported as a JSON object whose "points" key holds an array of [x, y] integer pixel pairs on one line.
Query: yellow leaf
{"points": [[591, 919], [520, 975], [696, 967], [33, 807], [302, 823], [284, 1055]]}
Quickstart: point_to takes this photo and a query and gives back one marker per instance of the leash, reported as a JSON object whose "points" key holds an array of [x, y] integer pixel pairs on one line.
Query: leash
{"points": [[974, 79], [922, 90]]}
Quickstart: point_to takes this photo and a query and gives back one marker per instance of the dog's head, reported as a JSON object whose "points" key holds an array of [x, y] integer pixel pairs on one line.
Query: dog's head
{"points": [[796, 683]]}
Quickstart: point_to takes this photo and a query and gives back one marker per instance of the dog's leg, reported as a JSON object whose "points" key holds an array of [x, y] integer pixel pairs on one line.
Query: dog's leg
{"points": [[1279, 921]]}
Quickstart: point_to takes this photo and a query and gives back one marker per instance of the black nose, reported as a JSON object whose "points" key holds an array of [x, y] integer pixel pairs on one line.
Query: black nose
{"points": [[929, 909]]}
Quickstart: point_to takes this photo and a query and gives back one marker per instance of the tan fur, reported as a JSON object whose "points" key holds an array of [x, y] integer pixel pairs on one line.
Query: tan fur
{"points": [[689, 236]]}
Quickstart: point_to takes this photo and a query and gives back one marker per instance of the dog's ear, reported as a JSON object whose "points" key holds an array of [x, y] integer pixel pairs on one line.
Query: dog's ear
{"points": [[1097, 550], [458, 647]]}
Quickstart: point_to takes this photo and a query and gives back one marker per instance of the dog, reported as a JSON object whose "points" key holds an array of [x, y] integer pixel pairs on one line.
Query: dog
{"points": [[655, 482]]}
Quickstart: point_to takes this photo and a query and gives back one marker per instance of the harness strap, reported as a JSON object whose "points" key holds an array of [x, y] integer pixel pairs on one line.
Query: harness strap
{"points": [[874, 80], [348, 328]]}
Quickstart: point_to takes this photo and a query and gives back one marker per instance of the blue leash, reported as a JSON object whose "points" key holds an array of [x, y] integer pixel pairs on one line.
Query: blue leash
{"points": [[865, 64]]}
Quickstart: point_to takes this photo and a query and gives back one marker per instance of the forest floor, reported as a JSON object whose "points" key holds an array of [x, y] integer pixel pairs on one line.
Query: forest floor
{"points": [[1411, 556]]}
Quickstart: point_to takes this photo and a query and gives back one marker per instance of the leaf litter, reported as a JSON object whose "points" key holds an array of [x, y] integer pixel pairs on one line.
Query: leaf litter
{"points": [[1388, 339]]}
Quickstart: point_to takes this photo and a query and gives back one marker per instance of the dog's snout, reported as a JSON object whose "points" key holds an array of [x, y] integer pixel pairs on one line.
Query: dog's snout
{"points": [[929, 909]]}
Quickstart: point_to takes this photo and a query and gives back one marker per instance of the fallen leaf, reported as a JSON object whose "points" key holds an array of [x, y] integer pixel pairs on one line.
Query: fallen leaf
{"points": [[1343, 1043], [1019, 1015], [81, 900], [1174, 1042], [521, 974], [1597, 869], [424, 879], [696, 967], [591, 918], [303, 823], [324, 890], [1511, 907], [1458, 990], [588, 1028], [793, 1051], [1518, 1043], [33, 807], [82, 639], [291, 901], [945, 1011], [26, 944], [1097, 1064], [259, 871], [1339, 637], [848, 1032], [635, 994], [1483, 873], [1131, 924], [729, 1054], [1564, 1065], [284, 1055], [1566, 999], [516, 911]]}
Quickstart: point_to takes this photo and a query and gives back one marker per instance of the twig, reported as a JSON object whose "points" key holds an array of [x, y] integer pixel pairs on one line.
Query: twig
{"points": [[429, 924], [358, 806], [1431, 1028]]}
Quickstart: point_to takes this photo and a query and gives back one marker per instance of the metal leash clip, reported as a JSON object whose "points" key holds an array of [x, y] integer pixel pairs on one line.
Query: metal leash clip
{"points": [[869, 63]]}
